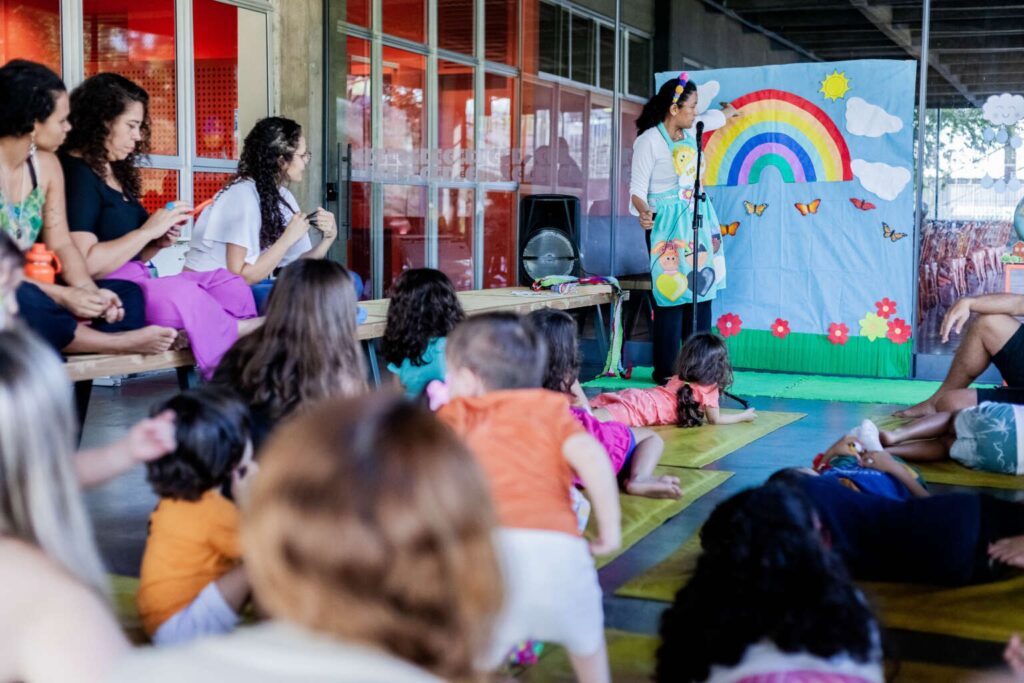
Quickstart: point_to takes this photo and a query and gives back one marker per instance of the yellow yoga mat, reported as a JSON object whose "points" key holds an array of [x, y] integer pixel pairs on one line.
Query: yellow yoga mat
{"points": [[641, 516], [632, 658], [952, 472], [122, 593], [700, 446], [991, 611]]}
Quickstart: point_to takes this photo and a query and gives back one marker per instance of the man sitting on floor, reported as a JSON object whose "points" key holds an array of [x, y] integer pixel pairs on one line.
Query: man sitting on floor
{"points": [[995, 337]]}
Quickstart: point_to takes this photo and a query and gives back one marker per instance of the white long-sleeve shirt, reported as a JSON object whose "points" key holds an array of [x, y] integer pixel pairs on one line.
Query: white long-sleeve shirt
{"points": [[653, 170]]}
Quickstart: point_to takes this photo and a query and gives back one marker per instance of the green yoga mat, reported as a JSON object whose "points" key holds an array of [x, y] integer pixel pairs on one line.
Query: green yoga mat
{"points": [[632, 659], [991, 611], [641, 516], [700, 446], [809, 387]]}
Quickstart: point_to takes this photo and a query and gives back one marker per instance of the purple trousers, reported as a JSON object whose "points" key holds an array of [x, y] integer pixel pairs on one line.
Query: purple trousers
{"points": [[206, 305]]}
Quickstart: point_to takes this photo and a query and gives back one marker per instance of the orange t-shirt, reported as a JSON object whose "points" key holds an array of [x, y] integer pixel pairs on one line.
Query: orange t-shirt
{"points": [[517, 438], [190, 544]]}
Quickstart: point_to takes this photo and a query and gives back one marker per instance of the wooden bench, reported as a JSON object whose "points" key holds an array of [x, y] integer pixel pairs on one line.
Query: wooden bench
{"points": [[83, 369]]}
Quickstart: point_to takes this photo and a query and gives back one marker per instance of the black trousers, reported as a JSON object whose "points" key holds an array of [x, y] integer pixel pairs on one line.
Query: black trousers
{"points": [[671, 328], [57, 325]]}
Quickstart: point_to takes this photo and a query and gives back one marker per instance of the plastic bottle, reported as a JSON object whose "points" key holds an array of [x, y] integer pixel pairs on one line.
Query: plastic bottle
{"points": [[40, 263]]}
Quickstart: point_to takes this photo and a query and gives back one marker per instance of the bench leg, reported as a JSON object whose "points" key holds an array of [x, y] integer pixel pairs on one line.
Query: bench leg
{"points": [[83, 392], [600, 332], [187, 377], [371, 355]]}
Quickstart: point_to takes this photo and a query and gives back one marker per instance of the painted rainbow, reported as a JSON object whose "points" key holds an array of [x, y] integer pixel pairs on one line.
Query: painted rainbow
{"points": [[781, 130]]}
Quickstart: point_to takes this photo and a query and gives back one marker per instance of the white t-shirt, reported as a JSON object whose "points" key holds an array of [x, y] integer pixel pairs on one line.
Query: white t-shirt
{"points": [[234, 218], [269, 653], [653, 171], [763, 662]]}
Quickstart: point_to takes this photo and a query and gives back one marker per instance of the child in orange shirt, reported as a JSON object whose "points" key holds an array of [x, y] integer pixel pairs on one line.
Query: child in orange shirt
{"points": [[529, 445], [192, 582]]}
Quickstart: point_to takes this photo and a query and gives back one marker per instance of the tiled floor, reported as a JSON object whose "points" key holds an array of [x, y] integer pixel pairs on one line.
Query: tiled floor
{"points": [[121, 508]]}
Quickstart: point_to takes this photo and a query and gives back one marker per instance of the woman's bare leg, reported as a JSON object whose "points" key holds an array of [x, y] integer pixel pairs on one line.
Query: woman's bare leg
{"points": [[149, 339]]}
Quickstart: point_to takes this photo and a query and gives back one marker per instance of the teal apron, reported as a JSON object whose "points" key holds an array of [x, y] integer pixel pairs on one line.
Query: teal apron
{"points": [[672, 281]]}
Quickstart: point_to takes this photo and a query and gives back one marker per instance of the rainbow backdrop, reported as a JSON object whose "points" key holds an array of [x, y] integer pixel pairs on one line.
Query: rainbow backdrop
{"points": [[781, 130]]}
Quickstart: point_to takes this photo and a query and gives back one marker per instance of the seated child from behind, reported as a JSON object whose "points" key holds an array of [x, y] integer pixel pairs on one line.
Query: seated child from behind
{"points": [[633, 451], [687, 399], [422, 311], [528, 445], [192, 583]]}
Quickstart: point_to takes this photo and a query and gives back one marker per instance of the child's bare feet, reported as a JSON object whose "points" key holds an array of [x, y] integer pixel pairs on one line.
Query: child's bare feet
{"points": [[149, 339], [654, 488]]}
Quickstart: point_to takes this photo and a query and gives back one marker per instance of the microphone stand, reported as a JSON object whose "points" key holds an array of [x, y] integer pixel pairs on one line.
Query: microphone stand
{"points": [[698, 221]]}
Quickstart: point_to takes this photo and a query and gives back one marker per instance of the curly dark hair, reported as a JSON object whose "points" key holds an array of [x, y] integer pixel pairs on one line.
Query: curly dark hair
{"points": [[704, 359], [30, 94], [95, 105], [212, 429], [764, 574], [423, 306], [268, 149], [559, 330], [656, 108]]}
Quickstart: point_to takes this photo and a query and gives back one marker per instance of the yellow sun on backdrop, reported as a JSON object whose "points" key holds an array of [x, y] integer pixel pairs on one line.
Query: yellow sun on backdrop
{"points": [[835, 86]]}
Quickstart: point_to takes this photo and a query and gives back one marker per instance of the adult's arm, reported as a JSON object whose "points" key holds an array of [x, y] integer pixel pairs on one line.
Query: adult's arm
{"points": [[957, 316], [640, 176], [55, 224], [269, 259], [328, 228], [103, 258]]}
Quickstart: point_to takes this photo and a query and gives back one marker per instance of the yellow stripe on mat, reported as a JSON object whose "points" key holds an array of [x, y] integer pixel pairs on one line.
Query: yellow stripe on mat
{"points": [[700, 446], [641, 516], [991, 611], [632, 658]]}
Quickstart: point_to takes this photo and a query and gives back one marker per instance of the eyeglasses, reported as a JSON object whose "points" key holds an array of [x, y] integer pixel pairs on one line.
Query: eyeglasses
{"points": [[307, 157]]}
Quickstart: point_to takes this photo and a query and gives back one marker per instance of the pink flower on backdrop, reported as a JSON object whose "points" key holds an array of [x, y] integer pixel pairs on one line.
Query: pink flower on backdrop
{"points": [[886, 307], [838, 333], [729, 325], [780, 328], [899, 331]]}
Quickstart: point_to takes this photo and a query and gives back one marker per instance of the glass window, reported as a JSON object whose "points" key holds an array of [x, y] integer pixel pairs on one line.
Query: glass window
{"points": [[499, 239], [354, 106], [207, 184], [405, 136], [537, 164], [359, 250], [406, 19], [30, 29], [597, 205], [501, 19], [584, 50], [606, 67], [137, 41], [455, 235], [455, 120], [495, 158], [640, 76], [553, 40], [231, 93], [570, 147], [358, 12], [455, 25], [405, 230], [159, 186]]}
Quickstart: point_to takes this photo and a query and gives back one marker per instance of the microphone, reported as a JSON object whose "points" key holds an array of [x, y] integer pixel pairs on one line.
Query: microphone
{"points": [[700, 133]]}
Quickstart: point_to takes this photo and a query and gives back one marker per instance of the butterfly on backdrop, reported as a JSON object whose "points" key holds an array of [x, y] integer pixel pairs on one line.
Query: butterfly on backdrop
{"points": [[811, 207], [729, 229], [892, 234], [862, 204], [753, 209]]}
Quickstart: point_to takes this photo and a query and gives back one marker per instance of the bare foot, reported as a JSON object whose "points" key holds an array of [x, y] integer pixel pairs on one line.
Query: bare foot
{"points": [[181, 342], [920, 410], [149, 339], [887, 437], [653, 488], [669, 479]]}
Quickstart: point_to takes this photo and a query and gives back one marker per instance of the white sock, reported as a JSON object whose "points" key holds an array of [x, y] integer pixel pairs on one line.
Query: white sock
{"points": [[867, 434]]}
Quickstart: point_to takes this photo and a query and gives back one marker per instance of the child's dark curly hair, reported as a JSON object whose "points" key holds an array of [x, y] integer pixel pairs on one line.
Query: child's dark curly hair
{"points": [[95, 105], [212, 429], [764, 575], [704, 359], [559, 330], [423, 306], [30, 95]]}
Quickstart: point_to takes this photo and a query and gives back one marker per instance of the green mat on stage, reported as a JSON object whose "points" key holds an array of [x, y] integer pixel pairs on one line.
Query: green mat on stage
{"points": [[641, 516], [989, 611], [809, 387], [632, 658], [700, 446]]}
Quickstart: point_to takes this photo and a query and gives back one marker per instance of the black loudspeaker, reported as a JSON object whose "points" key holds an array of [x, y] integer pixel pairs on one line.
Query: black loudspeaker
{"points": [[549, 236]]}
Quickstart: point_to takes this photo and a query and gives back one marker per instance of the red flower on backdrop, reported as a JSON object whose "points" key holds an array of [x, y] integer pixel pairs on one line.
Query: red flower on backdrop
{"points": [[780, 328], [729, 325], [885, 307], [899, 331], [838, 333]]}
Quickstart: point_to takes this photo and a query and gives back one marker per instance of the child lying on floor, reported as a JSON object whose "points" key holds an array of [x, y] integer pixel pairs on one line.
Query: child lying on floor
{"points": [[687, 400], [634, 452], [858, 462]]}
